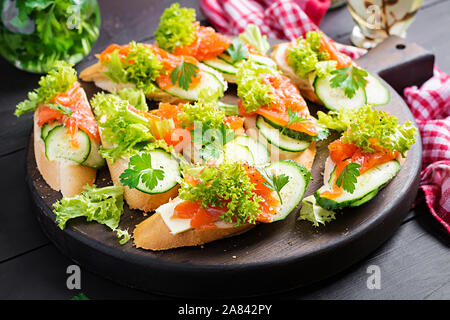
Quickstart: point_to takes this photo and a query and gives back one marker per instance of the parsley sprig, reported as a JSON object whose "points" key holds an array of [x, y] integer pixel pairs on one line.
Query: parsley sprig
{"points": [[237, 51], [294, 117], [140, 169], [183, 74], [64, 110], [348, 79], [347, 178], [213, 141], [274, 182]]}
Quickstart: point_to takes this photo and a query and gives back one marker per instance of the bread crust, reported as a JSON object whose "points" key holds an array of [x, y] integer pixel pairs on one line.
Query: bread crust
{"points": [[304, 85], [153, 234], [61, 175], [305, 157]]}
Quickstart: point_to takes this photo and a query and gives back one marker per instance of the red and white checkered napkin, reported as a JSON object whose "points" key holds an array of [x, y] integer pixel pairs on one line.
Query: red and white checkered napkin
{"points": [[430, 104]]}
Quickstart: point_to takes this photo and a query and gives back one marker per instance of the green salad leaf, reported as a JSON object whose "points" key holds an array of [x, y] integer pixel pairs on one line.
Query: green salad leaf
{"points": [[60, 79], [176, 28], [123, 131], [208, 114], [305, 56], [64, 110], [103, 205], [226, 185], [45, 31], [252, 35], [140, 169], [140, 67], [349, 79], [135, 97], [311, 211], [365, 125], [254, 93]]}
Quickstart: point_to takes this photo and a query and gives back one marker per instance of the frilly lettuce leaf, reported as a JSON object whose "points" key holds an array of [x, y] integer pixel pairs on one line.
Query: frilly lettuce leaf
{"points": [[176, 28], [103, 205], [207, 113], [140, 67], [251, 89], [313, 212], [304, 57], [135, 97], [60, 79], [365, 126], [252, 35]]}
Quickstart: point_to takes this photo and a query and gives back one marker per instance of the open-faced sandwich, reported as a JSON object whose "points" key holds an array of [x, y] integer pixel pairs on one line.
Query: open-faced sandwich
{"points": [[179, 33], [326, 76], [162, 76], [218, 201], [66, 136], [276, 114], [363, 160]]}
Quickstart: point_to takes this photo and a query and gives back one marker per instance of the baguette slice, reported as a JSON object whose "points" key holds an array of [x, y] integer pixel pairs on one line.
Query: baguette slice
{"points": [[304, 85], [305, 157], [61, 175], [95, 73], [153, 234]]}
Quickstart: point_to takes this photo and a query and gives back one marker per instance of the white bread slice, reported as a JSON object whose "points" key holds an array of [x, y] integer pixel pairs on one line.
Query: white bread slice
{"points": [[96, 74], [304, 85], [305, 157], [153, 234], [61, 175]]}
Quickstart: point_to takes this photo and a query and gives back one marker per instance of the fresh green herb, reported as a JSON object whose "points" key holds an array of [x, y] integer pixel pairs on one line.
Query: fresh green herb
{"points": [[294, 117], [140, 170], [237, 51], [365, 126], [176, 28], [103, 205], [213, 141], [347, 177], [311, 211], [45, 31], [348, 79], [252, 35], [64, 110], [274, 182], [305, 56], [124, 132], [227, 185], [140, 67], [60, 79], [183, 74], [254, 93]]}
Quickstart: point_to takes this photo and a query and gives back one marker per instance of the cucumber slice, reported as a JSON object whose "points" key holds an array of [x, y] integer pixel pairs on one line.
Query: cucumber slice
{"points": [[238, 153], [58, 145], [261, 154], [94, 160], [47, 127], [377, 93], [221, 65], [263, 60], [274, 136], [335, 98], [292, 193], [322, 132], [164, 161], [367, 186], [211, 81]]}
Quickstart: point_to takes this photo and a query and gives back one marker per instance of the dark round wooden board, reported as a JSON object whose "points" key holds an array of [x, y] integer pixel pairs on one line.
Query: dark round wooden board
{"points": [[267, 259]]}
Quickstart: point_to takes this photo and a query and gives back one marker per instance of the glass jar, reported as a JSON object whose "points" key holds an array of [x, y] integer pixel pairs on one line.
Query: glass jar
{"points": [[36, 33]]}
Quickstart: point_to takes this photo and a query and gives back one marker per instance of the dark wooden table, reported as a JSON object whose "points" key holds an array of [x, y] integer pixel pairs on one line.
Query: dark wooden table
{"points": [[413, 263]]}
